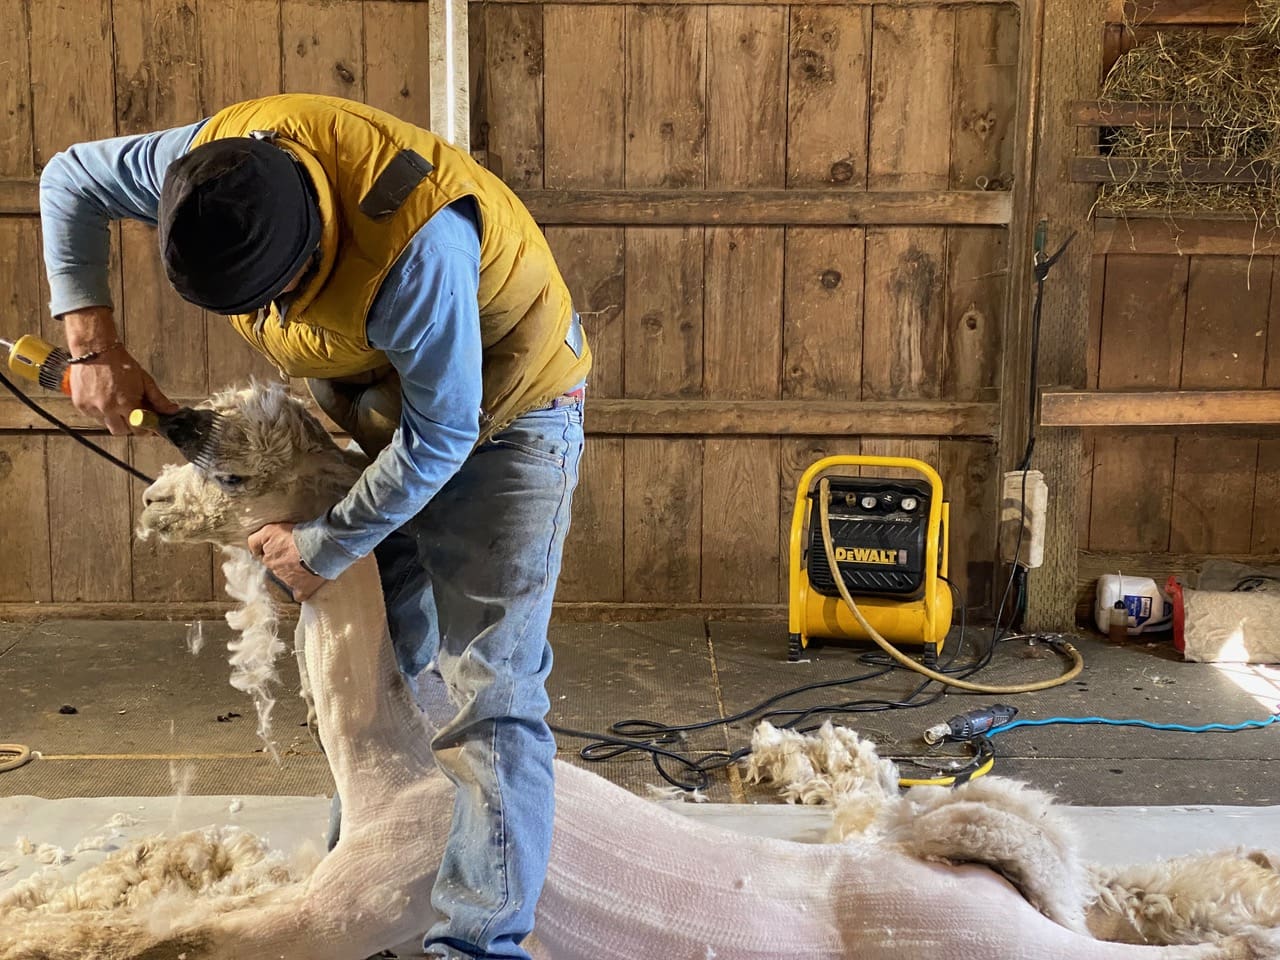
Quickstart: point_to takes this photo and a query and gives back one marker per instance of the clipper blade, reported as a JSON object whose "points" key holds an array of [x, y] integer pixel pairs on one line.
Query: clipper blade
{"points": [[196, 433]]}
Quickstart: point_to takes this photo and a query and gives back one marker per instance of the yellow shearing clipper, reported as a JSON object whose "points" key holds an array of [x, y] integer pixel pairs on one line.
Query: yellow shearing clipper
{"points": [[32, 359]]}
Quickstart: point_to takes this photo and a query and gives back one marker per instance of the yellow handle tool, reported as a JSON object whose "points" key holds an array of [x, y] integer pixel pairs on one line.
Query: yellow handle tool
{"points": [[145, 419], [32, 359]]}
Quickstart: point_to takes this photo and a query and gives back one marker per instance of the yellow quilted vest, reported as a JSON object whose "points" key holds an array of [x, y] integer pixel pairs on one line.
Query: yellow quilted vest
{"points": [[378, 180]]}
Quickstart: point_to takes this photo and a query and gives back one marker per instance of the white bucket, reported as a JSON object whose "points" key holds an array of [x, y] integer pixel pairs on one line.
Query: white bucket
{"points": [[1148, 607]]}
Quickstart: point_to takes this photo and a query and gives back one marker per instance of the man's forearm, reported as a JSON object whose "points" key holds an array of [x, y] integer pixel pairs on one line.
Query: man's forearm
{"points": [[89, 330], [85, 187]]}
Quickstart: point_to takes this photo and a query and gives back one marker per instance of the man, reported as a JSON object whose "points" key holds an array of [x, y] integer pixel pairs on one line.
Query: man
{"points": [[421, 301]]}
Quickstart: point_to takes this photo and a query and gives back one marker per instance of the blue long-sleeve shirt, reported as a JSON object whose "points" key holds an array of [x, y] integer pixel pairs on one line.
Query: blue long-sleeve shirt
{"points": [[425, 317]]}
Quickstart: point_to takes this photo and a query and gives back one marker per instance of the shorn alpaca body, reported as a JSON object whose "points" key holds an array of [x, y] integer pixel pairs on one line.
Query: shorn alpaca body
{"points": [[628, 878]]}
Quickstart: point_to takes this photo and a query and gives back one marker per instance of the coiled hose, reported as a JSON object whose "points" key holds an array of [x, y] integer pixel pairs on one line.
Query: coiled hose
{"points": [[1077, 661]]}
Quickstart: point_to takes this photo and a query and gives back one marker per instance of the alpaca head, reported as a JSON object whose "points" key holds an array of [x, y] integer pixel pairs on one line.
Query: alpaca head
{"points": [[275, 464]]}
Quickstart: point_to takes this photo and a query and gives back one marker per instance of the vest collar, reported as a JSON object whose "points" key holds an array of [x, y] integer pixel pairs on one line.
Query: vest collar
{"points": [[302, 297]]}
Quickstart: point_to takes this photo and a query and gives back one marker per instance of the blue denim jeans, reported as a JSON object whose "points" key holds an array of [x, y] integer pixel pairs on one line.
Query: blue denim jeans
{"points": [[468, 585]]}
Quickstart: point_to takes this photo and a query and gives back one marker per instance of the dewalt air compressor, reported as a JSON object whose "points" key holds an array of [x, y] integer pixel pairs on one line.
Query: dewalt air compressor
{"points": [[888, 540]]}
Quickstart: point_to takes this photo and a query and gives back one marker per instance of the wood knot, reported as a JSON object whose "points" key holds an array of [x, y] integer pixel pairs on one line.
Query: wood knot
{"points": [[814, 67], [841, 171], [831, 279], [980, 123], [344, 74]]}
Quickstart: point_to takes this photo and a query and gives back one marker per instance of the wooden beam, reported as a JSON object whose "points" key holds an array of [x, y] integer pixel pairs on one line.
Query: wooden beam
{"points": [[1130, 170], [1070, 48], [19, 196], [1183, 408], [843, 3], [184, 611], [1186, 235], [768, 207], [598, 612], [1117, 113], [450, 75], [16, 416], [569, 612], [1184, 12], [896, 418]]}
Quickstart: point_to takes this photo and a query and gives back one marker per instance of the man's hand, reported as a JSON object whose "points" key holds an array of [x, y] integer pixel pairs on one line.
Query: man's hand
{"points": [[112, 385], [274, 546]]}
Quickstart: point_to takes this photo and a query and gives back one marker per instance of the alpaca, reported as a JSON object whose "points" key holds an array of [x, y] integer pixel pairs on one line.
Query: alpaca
{"points": [[627, 877], [1019, 832]]}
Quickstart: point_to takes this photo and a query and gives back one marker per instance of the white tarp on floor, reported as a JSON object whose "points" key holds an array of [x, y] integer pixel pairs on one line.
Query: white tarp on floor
{"points": [[1111, 835]]}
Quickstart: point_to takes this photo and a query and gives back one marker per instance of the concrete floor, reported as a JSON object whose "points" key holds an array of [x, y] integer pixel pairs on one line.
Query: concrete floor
{"points": [[147, 710]]}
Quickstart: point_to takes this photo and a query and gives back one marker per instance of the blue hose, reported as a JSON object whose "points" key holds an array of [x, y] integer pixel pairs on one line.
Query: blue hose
{"points": [[1150, 725]]}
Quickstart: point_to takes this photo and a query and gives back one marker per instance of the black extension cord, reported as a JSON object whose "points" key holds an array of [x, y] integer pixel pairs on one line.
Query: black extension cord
{"points": [[660, 740]]}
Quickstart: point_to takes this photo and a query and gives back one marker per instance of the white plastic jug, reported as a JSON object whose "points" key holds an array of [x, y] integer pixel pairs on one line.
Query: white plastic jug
{"points": [[1148, 606]]}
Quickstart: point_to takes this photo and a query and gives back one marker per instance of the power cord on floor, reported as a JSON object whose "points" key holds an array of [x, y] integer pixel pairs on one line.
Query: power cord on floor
{"points": [[660, 740]]}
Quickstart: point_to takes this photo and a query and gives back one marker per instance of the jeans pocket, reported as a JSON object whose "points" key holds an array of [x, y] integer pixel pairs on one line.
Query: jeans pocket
{"points": [[548, 454], [541, 435]]}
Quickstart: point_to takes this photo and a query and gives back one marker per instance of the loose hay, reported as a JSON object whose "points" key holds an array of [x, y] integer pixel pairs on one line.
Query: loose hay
{"points": [[1235, 81]]}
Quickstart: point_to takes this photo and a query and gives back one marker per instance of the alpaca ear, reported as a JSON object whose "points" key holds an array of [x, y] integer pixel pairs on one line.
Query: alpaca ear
{"points": [[317, 436]]}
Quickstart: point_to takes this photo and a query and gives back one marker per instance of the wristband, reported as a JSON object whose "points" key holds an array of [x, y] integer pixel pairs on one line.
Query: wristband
{"points": [[94, 354]]}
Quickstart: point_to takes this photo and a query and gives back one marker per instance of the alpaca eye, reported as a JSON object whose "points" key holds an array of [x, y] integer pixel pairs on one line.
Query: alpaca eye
{"points": [[229, 481]]}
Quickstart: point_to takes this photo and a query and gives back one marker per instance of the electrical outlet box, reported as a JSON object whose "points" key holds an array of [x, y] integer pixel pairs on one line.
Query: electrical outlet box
{"points": [[1023, 504]]}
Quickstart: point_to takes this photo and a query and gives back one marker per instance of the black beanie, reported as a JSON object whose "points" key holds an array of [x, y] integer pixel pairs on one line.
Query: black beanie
{"points": [[237, 222]]}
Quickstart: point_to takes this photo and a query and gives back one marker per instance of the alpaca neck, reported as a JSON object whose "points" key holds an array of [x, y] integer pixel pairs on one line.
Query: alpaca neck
{"points": [[368, 721]]}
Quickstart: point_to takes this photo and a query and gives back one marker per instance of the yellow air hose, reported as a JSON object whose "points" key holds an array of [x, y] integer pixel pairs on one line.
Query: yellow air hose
{"points": [[12, 756], [1077, 661]]}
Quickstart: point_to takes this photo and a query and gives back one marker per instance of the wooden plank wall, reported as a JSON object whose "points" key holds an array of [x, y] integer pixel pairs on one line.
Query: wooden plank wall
{"points": [[897, 108], [833, 187], [1206, 318], [72, 70], [1194, 305]]}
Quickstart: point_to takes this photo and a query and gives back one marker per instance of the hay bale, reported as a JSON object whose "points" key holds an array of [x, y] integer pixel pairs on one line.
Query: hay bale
{"points": [[1235, 81]]}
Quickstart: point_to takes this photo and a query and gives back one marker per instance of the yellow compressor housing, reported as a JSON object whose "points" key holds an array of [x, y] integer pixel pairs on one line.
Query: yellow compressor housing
{"points": [[889, 540]]}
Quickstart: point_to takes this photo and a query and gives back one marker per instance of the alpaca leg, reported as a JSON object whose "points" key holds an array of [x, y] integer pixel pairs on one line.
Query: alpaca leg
{"points": [[304, 684], [1187, 899], [372, 890], [1011, 828]]}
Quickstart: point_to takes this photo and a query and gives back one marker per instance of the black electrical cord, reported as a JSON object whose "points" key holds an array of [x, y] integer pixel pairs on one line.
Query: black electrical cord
{"points": [[657, 739], [1017, 573], [71, 432]]}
